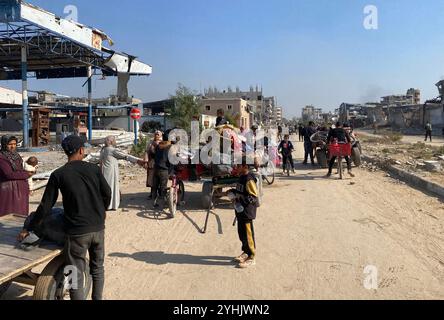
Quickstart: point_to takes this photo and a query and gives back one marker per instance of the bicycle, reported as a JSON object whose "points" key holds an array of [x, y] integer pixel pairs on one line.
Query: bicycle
{"points": [[287, 166], [340, 150], [268, 172], [175, 195]]}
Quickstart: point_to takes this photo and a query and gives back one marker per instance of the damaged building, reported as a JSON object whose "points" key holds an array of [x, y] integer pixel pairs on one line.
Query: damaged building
{"points": [[399, 112]]}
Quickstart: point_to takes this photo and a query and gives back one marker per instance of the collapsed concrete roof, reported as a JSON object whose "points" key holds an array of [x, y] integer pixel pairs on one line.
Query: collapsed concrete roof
{"points": [[57, 48]]}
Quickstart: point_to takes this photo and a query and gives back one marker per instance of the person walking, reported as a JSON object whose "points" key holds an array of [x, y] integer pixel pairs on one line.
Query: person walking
{"points": [[109, 163], [428, 129], [149, 160], [14, 187], [286, 148], [301, 133], [308, 145], [86, 195]]}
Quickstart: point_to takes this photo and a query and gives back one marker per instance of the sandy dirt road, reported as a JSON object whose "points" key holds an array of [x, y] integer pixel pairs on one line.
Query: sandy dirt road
{"points": [[315, 237]]}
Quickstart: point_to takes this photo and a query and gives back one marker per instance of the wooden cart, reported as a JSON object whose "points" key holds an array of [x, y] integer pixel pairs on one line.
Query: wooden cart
{"points": [[16, 265]]}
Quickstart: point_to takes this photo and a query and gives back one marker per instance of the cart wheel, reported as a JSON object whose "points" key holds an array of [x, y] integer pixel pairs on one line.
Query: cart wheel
{"points": [[340, 168], [207, 195], [181, 192], [172, 201], [356, 157], [4, 287], [51, 282], [322, 159]]}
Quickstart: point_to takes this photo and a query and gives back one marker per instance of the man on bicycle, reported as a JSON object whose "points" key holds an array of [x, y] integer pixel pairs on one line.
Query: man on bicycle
{"points": [[286, 148], [342, 136], [162, 169]]}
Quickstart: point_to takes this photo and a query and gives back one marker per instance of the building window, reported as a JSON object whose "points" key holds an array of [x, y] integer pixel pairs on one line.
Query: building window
{"points": [[230, 107], [208, 108]]}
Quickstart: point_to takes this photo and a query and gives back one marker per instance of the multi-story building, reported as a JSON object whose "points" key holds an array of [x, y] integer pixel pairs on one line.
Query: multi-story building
{"points": [[264, 108], [311, 113], [254, 96], [278, 115], [412, 97], [238, 109]]}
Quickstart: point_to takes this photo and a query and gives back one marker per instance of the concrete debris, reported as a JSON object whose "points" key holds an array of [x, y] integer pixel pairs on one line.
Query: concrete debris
{"points": [[123, 138], [433, 166], [441, 158]]}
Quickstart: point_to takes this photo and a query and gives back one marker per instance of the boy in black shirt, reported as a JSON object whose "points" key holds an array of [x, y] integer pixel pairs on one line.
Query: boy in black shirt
{"points": [[86, 195], [246, 208], [286, 147]]}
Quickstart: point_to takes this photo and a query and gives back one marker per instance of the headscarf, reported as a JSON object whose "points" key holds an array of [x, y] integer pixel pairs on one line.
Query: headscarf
{"points": [[110, 141], [12, 157]]}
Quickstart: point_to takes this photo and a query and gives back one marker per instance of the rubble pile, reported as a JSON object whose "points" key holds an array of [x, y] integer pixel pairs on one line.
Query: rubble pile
{"points": [[419, 158]]}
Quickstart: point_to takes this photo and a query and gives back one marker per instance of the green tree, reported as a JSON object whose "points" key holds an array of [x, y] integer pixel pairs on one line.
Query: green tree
{"points": [[232, 119], [185, 109], [151, 126]]}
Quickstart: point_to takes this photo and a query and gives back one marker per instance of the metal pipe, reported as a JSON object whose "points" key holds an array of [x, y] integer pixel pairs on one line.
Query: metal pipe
{"points": [[135, 132], [25, 97], [90, 116]]}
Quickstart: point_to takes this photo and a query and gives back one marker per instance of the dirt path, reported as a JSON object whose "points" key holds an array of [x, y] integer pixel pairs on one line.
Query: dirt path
{"points": [[314, 239]]}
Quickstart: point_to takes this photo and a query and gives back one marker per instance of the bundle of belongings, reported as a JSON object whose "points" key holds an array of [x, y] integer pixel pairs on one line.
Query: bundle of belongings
{"points": [[51, 229], [228, 136]]}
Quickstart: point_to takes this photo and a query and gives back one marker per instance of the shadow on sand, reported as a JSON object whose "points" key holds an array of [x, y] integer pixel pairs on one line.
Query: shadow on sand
{"points": [[162, 258]]}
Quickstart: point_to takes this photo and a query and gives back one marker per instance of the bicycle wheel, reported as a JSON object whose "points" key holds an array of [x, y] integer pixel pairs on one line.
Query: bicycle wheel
{"points": [[172, 201], [340, 168], [288, 168], [181, 193], [269, 173]]}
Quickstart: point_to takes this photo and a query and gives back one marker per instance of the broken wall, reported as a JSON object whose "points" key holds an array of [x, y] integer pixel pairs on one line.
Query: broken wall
{"points": [[434, 114]]}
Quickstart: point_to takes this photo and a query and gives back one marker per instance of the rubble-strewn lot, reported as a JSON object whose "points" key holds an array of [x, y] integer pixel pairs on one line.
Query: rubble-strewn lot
{"points": [[420, 158]]}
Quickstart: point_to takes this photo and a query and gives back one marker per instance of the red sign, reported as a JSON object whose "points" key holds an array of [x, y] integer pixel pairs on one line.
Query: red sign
{"points": [[135, 114]]}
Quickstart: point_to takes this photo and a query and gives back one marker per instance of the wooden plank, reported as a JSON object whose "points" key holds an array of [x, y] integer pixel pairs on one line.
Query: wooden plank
{"points": [[4, 277], [10, 264], [14, 261], [8, 234], [12, 220]]}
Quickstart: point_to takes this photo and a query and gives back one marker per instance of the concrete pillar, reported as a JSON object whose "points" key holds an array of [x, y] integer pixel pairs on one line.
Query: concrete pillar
{"points": [[90, 111], [25, 97]]}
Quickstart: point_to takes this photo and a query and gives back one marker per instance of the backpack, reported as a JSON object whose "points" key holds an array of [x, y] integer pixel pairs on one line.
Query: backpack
{"points": [[260, 189]]}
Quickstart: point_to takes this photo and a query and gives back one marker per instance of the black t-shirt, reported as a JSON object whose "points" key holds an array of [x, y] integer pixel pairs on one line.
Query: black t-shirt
{"points": [[86, 196], [340, 134], [286, 147], [308, 132], [161, 158]]}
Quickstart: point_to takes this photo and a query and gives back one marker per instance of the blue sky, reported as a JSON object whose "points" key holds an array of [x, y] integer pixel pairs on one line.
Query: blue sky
{"points": [[301, 51]]}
